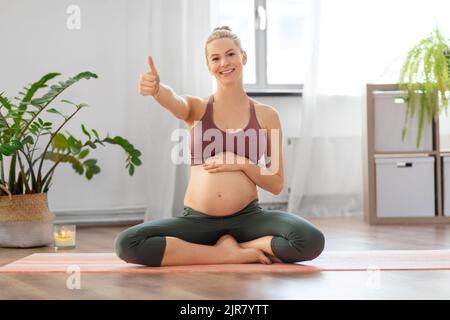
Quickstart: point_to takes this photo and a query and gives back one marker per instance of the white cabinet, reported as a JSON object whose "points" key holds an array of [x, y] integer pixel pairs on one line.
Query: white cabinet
{"points": [[402, 183], [405, 187], [389, 120], [446, 183]]}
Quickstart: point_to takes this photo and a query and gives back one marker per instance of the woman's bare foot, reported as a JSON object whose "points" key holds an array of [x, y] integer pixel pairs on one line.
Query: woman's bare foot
{"points": [[274, 258], [263, 244], [233, 253], [227, 239]]}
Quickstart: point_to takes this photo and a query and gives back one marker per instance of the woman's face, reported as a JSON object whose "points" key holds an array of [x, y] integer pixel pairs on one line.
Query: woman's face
{"points": [[225, 60]]}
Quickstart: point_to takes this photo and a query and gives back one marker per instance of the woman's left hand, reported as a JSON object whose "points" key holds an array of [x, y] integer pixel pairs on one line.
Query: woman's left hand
{"points": [[220, 167], [219, 163]]}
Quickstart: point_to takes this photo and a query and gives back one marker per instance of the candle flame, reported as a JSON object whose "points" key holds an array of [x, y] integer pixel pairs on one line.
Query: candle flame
{"points": [[63, 234]]}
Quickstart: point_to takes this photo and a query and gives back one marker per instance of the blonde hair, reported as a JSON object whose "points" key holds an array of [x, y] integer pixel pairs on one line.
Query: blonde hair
{"points": [[222, 32]]}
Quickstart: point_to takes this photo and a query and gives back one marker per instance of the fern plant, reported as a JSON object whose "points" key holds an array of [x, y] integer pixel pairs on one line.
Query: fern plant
{"points": [[22, 124], [425, 78]]}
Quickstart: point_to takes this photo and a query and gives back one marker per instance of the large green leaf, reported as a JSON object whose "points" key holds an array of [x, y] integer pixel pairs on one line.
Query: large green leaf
{"points": [[53, 110], [133, 153], [7, 150], [5, 102], [74, 145], [41, 83], [10, 148], [96, 134], [83, 128], [83, 154], [59, 142], [90, 162], [64, 158], [38, 85], [28, 139], [62, 85]]}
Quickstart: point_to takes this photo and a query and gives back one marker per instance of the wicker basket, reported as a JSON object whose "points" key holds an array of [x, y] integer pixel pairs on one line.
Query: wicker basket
{"points": [[25, 221]]}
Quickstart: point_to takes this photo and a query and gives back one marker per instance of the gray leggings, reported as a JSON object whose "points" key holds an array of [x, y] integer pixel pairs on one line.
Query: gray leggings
{"points": [[294, 238]]}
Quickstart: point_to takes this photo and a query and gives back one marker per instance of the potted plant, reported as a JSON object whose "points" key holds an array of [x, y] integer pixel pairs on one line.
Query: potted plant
{"points": [[25, 220], [425, 78]]}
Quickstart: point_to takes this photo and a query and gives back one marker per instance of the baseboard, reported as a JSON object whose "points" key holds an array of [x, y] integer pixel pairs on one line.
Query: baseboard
{"points": [[100, 216], [274, 206]]}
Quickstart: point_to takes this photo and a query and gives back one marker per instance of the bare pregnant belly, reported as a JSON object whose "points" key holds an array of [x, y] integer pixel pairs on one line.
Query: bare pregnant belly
{"points": [[220, 193]]}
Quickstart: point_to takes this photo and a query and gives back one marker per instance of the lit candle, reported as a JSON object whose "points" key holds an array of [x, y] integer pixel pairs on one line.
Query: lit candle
{"points": [[64, 237]]}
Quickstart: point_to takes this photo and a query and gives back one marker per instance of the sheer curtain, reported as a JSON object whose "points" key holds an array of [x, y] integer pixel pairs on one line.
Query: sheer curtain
{"points": [[352, 43], [178, 30]]}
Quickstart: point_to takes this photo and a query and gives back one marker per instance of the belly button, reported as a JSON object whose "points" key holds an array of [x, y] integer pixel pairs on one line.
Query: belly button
{"points": [[219, 195]]}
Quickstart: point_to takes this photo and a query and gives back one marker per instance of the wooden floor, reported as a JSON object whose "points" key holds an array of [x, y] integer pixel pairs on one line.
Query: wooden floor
{"points": [[341, 234]]}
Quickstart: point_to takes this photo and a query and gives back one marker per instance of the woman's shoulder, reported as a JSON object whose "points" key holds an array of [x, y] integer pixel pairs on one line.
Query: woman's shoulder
{"points": [[266, 114], [264, 108]]}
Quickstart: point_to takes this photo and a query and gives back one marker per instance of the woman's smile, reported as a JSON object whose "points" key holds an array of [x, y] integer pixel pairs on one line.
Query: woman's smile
{"points": [[227, 72]]}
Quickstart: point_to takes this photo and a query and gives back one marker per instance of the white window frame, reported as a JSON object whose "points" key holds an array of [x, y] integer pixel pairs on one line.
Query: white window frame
{"points": [[262, 86]]}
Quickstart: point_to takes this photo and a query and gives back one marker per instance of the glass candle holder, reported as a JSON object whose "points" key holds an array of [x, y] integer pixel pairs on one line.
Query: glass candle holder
{"points": [[64, 236]]}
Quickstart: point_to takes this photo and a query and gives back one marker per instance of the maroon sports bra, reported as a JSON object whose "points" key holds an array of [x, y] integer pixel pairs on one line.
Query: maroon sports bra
{"points": [[207, 140]]}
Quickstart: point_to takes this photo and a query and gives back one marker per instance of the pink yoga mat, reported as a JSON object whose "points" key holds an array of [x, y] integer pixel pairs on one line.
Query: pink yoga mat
{"points": [[327, 261]]}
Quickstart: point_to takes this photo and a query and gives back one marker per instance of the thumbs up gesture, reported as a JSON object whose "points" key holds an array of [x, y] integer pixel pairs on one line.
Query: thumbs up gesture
{"points": [[149, 82]]}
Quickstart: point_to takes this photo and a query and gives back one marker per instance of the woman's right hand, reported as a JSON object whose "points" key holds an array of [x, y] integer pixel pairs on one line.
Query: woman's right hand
{"points": [[149, 82]]}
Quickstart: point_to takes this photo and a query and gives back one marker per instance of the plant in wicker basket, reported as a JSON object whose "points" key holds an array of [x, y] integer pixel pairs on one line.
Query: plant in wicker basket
{"points": [[22, 125]]}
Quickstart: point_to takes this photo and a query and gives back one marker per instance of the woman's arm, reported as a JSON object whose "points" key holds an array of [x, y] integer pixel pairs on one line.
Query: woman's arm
{"points": [[264, 178], [270, 178], [150, 85], [177, 105]]}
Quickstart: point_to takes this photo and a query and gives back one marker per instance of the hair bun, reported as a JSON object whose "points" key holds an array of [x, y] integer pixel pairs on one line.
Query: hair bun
{"points": [[222, 28]]}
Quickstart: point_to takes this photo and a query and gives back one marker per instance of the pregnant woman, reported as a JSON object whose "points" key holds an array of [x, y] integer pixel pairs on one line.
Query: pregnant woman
{"points": [[222, 221]]}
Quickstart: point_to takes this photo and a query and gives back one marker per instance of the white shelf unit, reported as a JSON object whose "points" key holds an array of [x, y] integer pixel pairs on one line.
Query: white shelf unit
{"points": [[402, 184]]}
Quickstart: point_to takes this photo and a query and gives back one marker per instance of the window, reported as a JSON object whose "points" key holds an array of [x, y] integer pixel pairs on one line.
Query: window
{"points": [[273, 33]]}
